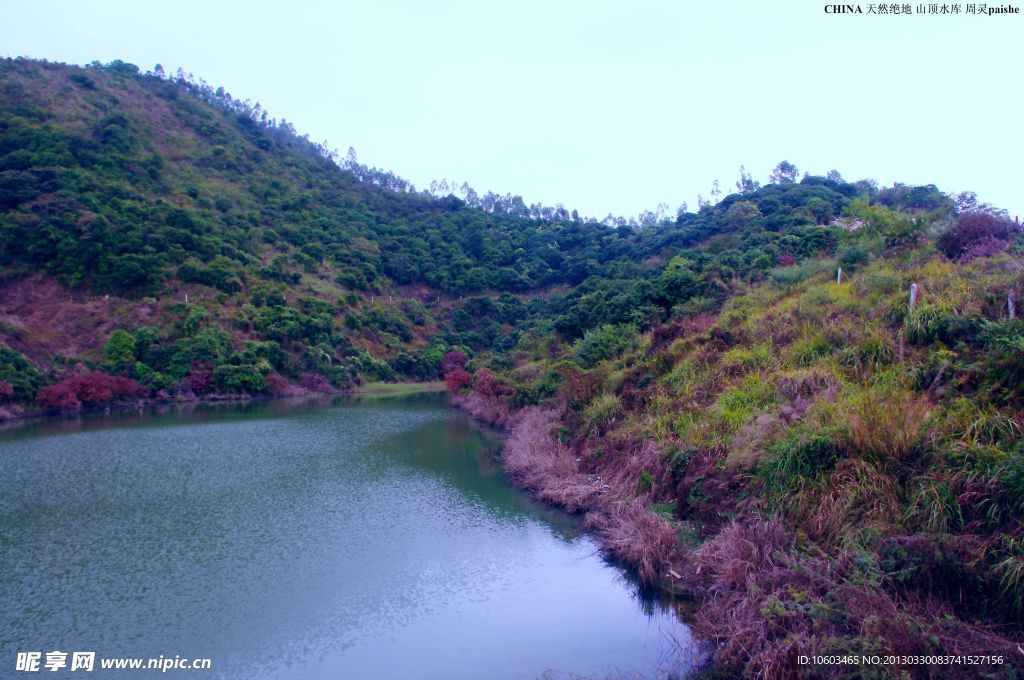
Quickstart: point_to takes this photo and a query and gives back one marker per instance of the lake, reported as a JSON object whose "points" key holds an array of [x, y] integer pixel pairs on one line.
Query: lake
{"points": [[359, 538]]}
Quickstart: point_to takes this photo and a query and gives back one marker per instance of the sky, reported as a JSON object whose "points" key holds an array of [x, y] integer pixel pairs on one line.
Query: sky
{"points": [[605, 107]]}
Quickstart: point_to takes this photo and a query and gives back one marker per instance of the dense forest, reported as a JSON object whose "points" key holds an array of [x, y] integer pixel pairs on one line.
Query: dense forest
{"points": [[143, 189], [800, 404]]}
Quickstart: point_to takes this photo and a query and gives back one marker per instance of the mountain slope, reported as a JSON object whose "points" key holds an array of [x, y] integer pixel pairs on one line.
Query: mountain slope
{"points": [[131, 192]]}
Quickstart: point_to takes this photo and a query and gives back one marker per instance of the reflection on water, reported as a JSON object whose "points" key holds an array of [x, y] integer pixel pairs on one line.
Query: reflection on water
{"points": [[356, 538]]}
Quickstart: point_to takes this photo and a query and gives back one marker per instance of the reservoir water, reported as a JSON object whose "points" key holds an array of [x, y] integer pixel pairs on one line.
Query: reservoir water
{"points": [[356, 539]]}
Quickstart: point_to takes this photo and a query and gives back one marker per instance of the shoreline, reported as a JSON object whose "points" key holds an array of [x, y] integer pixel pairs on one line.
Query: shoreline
{"points": [[609, 509], [23, 414]]}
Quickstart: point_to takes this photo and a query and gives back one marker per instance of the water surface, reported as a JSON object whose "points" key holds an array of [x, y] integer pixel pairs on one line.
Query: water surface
{"points": [[365, 539]]}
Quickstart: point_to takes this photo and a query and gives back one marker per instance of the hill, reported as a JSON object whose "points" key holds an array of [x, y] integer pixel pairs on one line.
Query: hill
{"points": [[124, 193], [800, 404]]}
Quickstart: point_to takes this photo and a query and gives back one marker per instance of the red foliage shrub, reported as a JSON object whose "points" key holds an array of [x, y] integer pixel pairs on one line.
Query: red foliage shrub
{"points": [[126, 388], [278, 386], [58, 397], [454, 360], [94, 389], [986, 247], [457, 380], [6, 391], [200, 377], [314, 382], [786, 260], [486, 384], [579, 387], [976, 232]]}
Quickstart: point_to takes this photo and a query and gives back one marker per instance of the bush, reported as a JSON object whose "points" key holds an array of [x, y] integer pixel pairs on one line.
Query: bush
{"points": [[457, 380], [852, 256], [234, 379], [15, 369], [200, 377], [277, 386], [886, 424], [94, 389], [801, 454], [784, 277], [58, 397], [119, 352], [976, 234], [314, 382], [605, 342], [453, 360]]}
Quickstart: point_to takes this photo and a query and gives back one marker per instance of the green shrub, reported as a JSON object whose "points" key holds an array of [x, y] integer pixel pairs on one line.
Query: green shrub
{"points": [[605, 342], [238, 379], [602, 410], [852, 256], [802, 454], [21, 373], [785, 277], [119, 353]]}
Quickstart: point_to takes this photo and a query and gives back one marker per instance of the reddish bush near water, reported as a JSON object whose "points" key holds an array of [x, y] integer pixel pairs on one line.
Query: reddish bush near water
{"points": [[314, 382], [457, 380], [59, 397], [453, 361], [277, 386], [94, 389], [6, 391], [200, 378], [487, 385]]}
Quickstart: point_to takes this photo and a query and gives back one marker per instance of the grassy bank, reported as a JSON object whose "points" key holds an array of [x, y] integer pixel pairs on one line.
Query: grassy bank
{"points": [[827, 469], [397, 389]]}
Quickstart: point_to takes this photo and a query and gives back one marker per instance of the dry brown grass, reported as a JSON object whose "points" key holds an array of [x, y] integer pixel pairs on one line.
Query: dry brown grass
{"points": [[886, 424], [633, 535]]}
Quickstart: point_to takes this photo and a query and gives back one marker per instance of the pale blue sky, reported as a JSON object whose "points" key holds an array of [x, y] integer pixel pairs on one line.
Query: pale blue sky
{"points": [[605, 107]]}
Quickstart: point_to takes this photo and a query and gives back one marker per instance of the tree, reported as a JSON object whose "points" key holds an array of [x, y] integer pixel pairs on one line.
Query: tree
{"points": [[977, 234], [784, 173], [740, 214], [20, 373], [746, 184], [453, 361], [457, 380], [119, 352], [716, 192]]}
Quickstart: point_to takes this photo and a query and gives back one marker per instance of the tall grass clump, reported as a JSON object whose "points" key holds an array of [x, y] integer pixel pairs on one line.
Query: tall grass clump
{"points": [[886, 424]]}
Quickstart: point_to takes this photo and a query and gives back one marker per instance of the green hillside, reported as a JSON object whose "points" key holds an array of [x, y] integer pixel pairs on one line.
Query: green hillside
{"points": [[138, 190]]}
